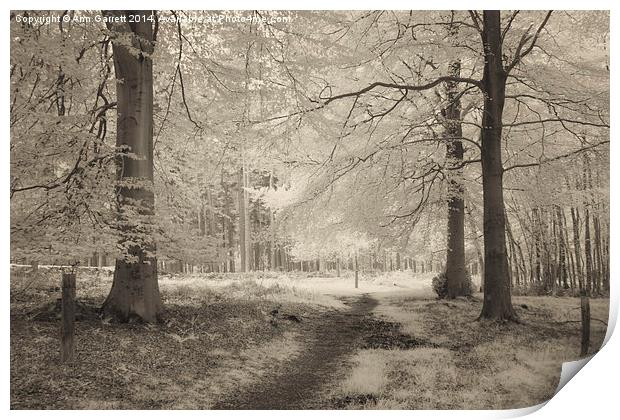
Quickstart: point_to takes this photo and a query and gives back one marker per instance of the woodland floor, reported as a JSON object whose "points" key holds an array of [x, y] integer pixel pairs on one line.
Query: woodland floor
{"points": [[266, 341]]}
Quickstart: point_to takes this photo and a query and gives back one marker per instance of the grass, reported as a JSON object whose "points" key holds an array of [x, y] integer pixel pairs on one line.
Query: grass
{"points": [[368, 375], [188, 289], [465, 364], [216, 339], [220, 337]]}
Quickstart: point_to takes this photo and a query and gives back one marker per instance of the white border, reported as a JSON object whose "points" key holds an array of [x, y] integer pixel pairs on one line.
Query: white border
{"points": [[593, 394]]}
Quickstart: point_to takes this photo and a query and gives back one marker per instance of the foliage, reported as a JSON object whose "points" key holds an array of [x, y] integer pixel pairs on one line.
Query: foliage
{"points": [[325, 179], [469, 365], [440, 285]]}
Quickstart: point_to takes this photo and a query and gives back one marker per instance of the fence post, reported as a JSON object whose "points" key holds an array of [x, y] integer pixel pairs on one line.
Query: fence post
{"points": [[67, 329], [585, 323]]}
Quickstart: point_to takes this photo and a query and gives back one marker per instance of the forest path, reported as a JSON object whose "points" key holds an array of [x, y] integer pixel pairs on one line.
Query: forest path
{"points": [[329, 340]]}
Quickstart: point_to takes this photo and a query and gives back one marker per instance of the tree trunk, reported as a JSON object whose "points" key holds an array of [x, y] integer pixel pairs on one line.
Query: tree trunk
{"points": [[243, 224], [598, 261], [135, 291], [577, 244], [272, 241], [455, 255], [585, 324], [562, 269], [513, 258], [231, 245], [497, 300], [588, 251], [606, 259]]}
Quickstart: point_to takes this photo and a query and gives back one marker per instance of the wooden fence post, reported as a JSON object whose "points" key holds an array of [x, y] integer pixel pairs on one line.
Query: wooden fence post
{"points": [[68, 318], [585, 323]]}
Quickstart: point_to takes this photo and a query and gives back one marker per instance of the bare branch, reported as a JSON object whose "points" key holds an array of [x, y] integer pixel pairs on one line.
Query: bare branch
{"points": [[566, 155], [404, 87], [519, 55]]}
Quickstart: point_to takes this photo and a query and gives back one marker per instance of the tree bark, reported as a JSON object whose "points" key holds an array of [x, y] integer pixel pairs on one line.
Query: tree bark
{"points": [[585, 324], [577, 244], [231, 245], [243, 223], [497, 302], [588, 251], [563, 266], [513, 258], [135, 291], [455, 255], [598, 261]]}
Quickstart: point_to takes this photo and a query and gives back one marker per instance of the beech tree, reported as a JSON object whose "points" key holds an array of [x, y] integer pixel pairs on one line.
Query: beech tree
{"points": [[61, 178], [497, 300], [455, 252], [135, 290], [365, 124], [500, 62]]}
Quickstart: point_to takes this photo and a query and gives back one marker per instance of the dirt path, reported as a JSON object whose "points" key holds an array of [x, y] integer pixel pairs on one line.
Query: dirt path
{"points": [[298, 385]]}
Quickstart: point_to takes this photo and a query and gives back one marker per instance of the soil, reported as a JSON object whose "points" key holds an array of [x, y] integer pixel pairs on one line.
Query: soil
{"points": [[327, 341], [331, 339]]}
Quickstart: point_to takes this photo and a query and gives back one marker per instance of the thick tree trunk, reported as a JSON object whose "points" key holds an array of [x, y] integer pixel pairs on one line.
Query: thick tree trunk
{"points": [[497, 299], [135, 291], [455, 255], [479, 250]]}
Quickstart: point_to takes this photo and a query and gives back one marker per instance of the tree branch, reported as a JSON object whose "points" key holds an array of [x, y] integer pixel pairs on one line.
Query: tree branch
{"points": [[403, 87], [520, 55], [574, 152]]}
